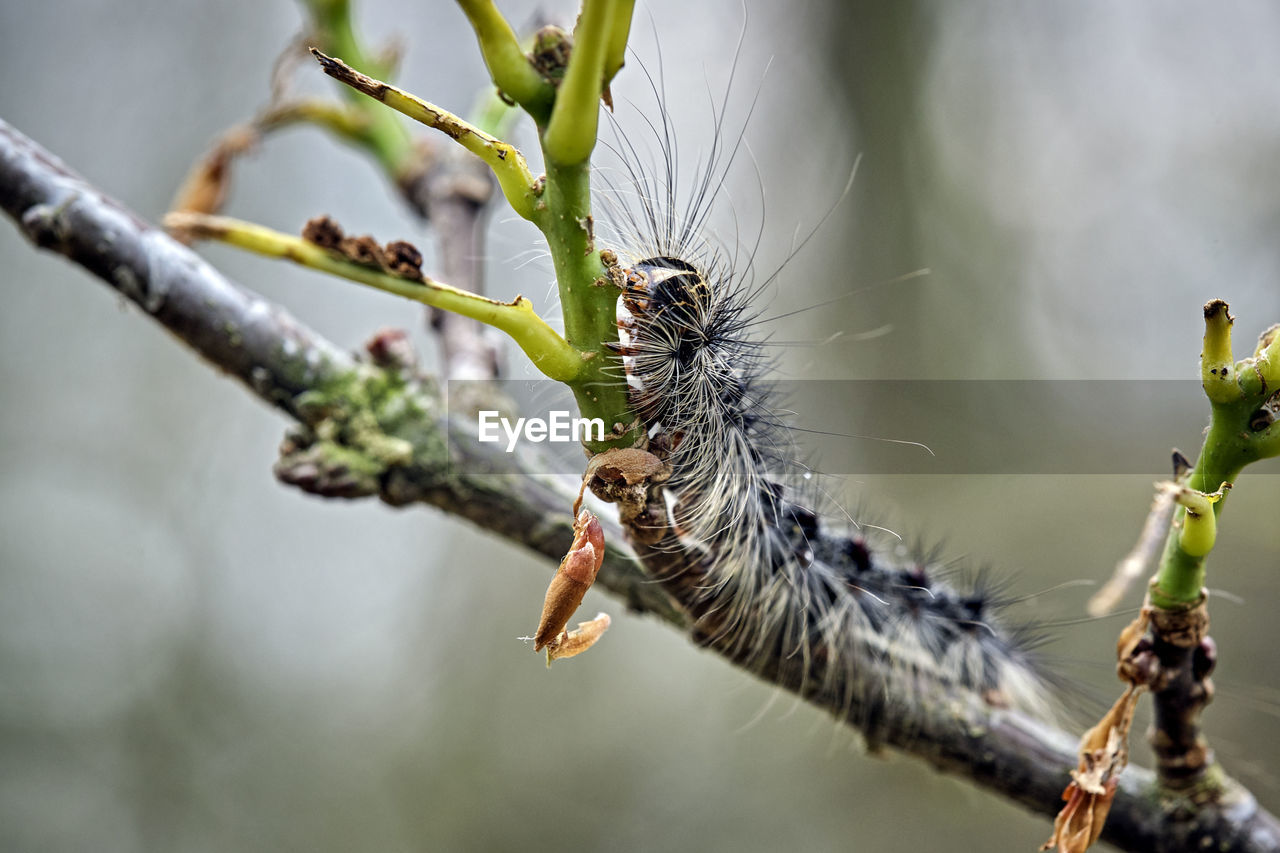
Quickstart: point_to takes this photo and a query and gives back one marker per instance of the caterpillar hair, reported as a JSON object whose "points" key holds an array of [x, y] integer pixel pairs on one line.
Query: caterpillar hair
{"points": [[857, 624]]}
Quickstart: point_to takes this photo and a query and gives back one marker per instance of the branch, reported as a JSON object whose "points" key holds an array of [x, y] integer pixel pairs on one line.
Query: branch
{"points": [[507, 163], [546, 349], [559, 204], [292, 368], [448, 186], [509, 68], [570, 136], [283, 362], [332, 28]]}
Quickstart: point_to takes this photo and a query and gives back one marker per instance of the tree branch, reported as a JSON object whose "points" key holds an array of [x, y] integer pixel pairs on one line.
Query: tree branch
{"points": [[310, 379], [280, 360]]}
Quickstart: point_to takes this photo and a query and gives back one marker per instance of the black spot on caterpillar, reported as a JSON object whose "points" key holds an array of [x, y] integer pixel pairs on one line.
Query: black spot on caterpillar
{"points": [[859, 624]]}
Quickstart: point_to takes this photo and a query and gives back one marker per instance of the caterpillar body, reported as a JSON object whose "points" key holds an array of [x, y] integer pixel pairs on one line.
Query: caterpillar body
{"points": [[858, 625]]}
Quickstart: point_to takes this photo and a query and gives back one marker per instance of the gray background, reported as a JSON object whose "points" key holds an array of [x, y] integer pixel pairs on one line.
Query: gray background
{"points": [[195, 658]]}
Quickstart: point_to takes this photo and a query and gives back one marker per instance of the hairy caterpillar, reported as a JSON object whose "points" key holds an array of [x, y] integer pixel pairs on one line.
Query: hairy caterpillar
{"points": [[864, 626]]}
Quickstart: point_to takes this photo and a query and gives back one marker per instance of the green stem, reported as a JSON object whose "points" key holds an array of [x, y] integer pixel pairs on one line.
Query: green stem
{"points": [[568, 120], [508, 66], [492, 114], [344, 121], [1217, 366], [549, 352], [505, 160], [570, 135], [619, 32], [386, 137], [1237, 392], [588, 300]]}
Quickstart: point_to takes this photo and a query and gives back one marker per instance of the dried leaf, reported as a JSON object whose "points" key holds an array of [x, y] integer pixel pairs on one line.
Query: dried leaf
{"points": [[622, 476], [1080, 822], [573, 578], [403, 259], [363, 250], [324, 232], [205, 188], [399, 257], [1104, 752], [578, 640]]}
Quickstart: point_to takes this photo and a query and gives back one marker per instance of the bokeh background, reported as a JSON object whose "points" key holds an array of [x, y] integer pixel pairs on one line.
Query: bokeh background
{"points": [[194, 658]]}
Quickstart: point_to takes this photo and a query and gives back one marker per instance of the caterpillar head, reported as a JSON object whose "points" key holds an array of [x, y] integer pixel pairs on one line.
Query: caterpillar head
{"points": [[673, 294]]}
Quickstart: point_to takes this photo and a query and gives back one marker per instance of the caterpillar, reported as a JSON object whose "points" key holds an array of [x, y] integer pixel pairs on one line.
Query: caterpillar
{"points": [[860, 625]]}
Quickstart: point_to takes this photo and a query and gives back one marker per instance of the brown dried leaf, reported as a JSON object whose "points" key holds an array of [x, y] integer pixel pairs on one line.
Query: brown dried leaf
{"points": [[363, 250], [622, 476], [1080, 822], [573, 578], [206, 186], [1104, 752], [629, 465], [1131, 634], [324, 232], [563, 597], [403, 259], [578, 640], [1137, 663]]}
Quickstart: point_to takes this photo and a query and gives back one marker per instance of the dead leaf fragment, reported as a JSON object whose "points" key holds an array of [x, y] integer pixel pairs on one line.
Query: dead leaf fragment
{"points": [[403, 259], [623, 476], [1080, 822], [324, 232], [363, 250], [205, 188], [578, 640], [399, 257], [573, 578], [1104, 753]]}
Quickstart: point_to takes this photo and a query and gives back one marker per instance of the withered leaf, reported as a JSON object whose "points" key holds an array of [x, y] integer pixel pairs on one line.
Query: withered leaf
{"points": [[578, 640], [573, 578]]}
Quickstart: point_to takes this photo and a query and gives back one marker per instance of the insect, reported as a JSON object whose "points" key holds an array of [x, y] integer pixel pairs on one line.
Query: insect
{"points": [[863, 623]]}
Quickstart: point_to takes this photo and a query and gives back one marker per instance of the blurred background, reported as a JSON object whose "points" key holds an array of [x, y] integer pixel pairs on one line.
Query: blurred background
{"points": [[195, 658]]}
